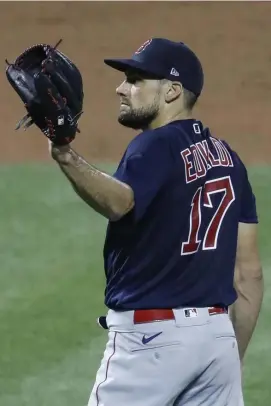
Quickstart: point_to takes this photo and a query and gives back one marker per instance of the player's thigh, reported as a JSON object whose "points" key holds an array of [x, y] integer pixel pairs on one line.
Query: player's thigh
{"points": [[220, 383], [137, 373]]}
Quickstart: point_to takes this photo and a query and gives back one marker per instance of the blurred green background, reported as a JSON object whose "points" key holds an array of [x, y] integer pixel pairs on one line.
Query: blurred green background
{"points": [[52, 285]]}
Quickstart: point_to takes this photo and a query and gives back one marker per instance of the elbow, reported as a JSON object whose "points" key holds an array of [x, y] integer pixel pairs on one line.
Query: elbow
{"points": [[122, 207], [115, 216], [248, 271], [249, 281], [120, 211]]}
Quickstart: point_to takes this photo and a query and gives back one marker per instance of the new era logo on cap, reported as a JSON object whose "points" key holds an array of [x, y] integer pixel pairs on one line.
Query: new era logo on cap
{"points": [[174, 72]]}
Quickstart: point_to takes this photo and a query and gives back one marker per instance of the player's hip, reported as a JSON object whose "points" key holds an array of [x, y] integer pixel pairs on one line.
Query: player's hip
{"points": [[216, 320], [166, 355]]}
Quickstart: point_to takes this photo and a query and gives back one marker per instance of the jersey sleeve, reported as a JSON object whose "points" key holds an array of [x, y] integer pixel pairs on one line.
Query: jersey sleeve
{"points": [[146, 172], [248, 213]]}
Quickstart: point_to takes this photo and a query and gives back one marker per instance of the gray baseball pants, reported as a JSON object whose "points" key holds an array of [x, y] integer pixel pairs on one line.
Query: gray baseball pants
{"points": [[190, 361]]}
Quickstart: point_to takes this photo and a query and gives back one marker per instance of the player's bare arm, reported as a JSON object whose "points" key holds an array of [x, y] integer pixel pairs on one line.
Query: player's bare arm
{"points": [[105, 194], [249, 286]]}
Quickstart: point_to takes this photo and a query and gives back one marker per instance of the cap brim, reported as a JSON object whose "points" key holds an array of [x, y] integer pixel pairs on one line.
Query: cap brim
{"points": [[123, 64]]}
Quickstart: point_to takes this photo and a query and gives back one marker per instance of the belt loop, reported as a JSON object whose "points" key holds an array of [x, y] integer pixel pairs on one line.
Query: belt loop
{"points": [[102, 322]]}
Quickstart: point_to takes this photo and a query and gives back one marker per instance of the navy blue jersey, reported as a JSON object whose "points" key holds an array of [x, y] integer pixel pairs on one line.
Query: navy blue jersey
{"points": [[177, 246]]}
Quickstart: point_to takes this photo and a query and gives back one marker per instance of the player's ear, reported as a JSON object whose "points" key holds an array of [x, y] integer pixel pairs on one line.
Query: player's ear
{"points": [[173, 91]]}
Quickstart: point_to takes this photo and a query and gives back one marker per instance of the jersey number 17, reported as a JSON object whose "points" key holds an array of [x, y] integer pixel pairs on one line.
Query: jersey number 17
{"points": [[224, 187]]}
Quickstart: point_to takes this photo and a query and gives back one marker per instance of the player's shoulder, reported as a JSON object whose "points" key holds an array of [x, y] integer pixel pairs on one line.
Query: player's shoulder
{"points": [[166, 133], [237, 160], [148, 139], [187, 132], [239, 167]]}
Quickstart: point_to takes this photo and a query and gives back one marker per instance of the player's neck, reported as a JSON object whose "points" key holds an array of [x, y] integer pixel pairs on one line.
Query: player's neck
{"points": [[162, 120]]}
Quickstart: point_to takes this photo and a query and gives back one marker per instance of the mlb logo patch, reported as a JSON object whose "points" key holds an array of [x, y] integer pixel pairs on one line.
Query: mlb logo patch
{"points": [[60, 120], [190, 312]]}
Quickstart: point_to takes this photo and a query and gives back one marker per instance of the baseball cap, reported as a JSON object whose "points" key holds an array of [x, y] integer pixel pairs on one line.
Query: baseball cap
{"points": [[165, 59]]}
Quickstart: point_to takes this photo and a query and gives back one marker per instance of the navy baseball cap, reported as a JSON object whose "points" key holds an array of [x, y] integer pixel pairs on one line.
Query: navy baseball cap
{"points": [[165, 59]]}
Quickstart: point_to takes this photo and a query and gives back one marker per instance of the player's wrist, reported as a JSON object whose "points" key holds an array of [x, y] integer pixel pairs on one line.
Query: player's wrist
{"points": [[60, 153]]}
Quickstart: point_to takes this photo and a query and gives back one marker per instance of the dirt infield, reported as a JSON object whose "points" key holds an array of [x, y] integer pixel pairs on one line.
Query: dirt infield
{"points": [[232, 40]]}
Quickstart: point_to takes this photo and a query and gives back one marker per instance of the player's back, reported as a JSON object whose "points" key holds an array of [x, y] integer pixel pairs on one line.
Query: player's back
{"points": [[177, 247]]}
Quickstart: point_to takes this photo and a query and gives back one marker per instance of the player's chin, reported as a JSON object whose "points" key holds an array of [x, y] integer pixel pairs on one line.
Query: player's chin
{"points": [[129, 120]]}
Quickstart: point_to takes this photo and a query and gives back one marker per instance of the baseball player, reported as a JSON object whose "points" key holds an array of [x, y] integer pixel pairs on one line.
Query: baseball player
{"points": [[183, 273]]}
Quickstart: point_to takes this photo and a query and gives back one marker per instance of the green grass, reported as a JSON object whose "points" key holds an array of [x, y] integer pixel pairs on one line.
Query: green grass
{"points": [[51, 291]]}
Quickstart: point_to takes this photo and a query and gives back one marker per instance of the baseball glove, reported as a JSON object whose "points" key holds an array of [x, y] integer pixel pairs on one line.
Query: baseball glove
{"points": [[51, 88]]}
